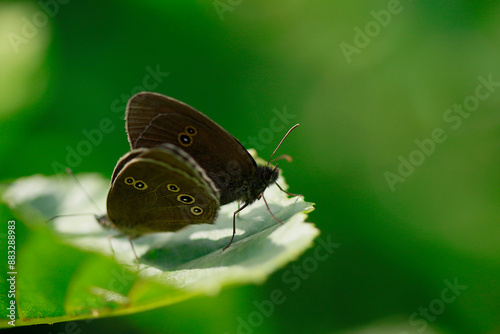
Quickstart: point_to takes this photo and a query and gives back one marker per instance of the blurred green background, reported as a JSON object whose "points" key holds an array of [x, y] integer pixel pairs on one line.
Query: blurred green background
{"points": [[370, 82]]}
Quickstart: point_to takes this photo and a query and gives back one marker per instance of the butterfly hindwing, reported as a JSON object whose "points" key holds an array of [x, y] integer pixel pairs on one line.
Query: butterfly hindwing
{"points": [[159, 190]]}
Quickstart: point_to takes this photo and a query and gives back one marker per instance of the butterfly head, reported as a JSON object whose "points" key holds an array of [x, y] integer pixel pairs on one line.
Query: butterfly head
{"points": [[104, 221], [264, 177], [270, 174]]}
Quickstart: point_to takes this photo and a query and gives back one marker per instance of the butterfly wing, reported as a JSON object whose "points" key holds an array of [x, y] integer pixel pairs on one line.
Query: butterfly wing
{"points": [[160, 189], [153, 119]]}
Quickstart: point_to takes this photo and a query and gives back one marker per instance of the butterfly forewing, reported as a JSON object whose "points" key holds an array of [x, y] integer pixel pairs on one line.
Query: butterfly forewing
{"points": [[153, 119]]}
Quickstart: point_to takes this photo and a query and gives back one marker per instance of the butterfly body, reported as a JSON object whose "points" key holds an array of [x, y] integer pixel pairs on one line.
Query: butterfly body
{"points": [[251, 189]]}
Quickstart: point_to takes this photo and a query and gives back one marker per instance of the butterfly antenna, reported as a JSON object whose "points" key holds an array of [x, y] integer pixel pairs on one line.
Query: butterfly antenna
{"points": [[100, 219], [72, 214], [277, 147], [91, 200], [283, 157]]}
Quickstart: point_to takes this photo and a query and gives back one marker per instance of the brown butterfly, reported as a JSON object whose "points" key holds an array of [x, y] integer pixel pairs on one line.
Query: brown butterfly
{"points": [[181, 168]]}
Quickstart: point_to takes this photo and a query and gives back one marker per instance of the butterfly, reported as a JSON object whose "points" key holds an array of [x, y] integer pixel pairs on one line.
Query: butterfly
{"points": [[181, 168]]}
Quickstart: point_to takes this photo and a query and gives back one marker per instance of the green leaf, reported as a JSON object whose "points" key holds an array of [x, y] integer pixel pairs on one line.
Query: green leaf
{"points": [[66, 269]]}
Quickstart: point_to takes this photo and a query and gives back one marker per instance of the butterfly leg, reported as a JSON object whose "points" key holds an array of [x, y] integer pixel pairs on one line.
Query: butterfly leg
{"points": [[133, 250], [234, 226], [267, 206], [111, 245], [130, 237]]}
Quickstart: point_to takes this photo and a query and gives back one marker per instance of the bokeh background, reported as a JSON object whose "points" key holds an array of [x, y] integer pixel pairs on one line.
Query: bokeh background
{"points": [[366, 80]]}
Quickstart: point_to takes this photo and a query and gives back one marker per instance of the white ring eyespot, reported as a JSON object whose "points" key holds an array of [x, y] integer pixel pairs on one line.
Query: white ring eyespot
{"points": [[129, 181], [185, 199], [140, 185], [196, 210], [173, 187]]}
